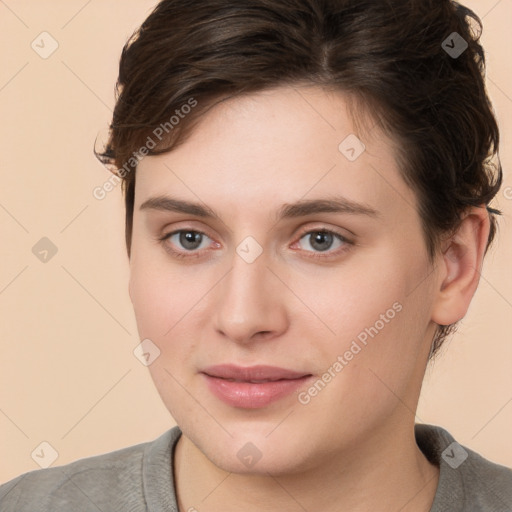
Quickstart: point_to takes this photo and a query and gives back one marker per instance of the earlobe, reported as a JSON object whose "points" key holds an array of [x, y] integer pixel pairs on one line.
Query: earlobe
{"points": [[460, 264]]}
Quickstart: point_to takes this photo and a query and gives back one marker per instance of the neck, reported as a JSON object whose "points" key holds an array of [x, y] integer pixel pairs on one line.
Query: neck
{"points": [[386, 472]]}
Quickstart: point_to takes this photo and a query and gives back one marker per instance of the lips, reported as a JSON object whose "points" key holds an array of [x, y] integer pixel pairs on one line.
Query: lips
{"points": [[260, 373], [252, 387]]}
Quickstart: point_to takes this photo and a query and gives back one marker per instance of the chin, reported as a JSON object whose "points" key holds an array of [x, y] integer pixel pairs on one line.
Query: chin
{"points": [[256, 454]]}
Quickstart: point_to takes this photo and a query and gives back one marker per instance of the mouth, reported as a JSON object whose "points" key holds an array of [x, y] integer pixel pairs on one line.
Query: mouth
{"points": [[252, 387]]}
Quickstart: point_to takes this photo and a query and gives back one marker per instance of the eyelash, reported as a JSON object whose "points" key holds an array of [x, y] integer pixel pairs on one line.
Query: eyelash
{"points": [[316, 255]]}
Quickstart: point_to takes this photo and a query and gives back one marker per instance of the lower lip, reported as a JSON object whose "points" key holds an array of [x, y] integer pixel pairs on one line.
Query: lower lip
{"points": [[249, 395]]}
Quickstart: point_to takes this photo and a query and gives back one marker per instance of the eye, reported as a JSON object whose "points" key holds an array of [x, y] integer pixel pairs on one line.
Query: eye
{"points": [[322, 240], [190, 240]]}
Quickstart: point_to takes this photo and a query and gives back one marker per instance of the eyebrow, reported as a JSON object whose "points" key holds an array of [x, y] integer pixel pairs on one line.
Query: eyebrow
{"points": [[301, 208]]}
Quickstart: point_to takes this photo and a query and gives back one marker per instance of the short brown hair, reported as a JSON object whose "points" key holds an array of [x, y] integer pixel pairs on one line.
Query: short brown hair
{"points": [[390, 54]]}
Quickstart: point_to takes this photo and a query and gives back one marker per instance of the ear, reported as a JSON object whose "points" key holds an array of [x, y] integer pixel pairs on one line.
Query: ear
{"points": [[460, 264]]}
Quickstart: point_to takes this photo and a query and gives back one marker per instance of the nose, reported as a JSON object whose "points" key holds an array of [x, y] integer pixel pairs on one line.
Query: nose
{"points": [[250, 302]]}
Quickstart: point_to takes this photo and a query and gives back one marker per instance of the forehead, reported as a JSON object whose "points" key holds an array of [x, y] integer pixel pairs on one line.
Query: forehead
{"points": [[279, 145]]}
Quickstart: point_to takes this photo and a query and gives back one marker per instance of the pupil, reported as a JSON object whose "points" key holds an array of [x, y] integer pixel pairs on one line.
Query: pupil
{"points": [[320, 237], [189, 237]]}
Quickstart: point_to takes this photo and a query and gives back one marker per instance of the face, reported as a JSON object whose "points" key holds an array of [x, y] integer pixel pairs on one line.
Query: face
{"points": [[338, 293]]}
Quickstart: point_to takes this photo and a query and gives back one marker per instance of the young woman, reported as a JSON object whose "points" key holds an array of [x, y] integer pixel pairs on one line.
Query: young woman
{"points": [[307, 189]]}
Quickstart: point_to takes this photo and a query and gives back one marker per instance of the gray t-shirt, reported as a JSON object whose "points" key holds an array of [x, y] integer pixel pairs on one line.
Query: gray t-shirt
{"points": [[140, 479]]}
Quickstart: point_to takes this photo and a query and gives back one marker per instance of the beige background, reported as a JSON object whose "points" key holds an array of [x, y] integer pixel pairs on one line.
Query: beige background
{"points": [[68, 375]]}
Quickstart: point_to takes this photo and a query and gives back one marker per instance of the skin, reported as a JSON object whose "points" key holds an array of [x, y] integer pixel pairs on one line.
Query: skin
{"points": [[352, 446]]}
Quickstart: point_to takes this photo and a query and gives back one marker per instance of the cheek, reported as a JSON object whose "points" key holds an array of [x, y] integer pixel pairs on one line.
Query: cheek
{"points": [[161, 300], [377, 316], [352, 301], [151, 304], [163, 294], [169, 303]]}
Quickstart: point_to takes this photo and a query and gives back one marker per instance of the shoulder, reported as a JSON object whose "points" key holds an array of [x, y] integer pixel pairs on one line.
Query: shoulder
{"points": [[111, 481], [467, 481]]}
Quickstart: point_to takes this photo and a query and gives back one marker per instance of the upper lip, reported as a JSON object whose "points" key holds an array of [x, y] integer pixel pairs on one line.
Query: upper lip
{"points": [[259, 372]]}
